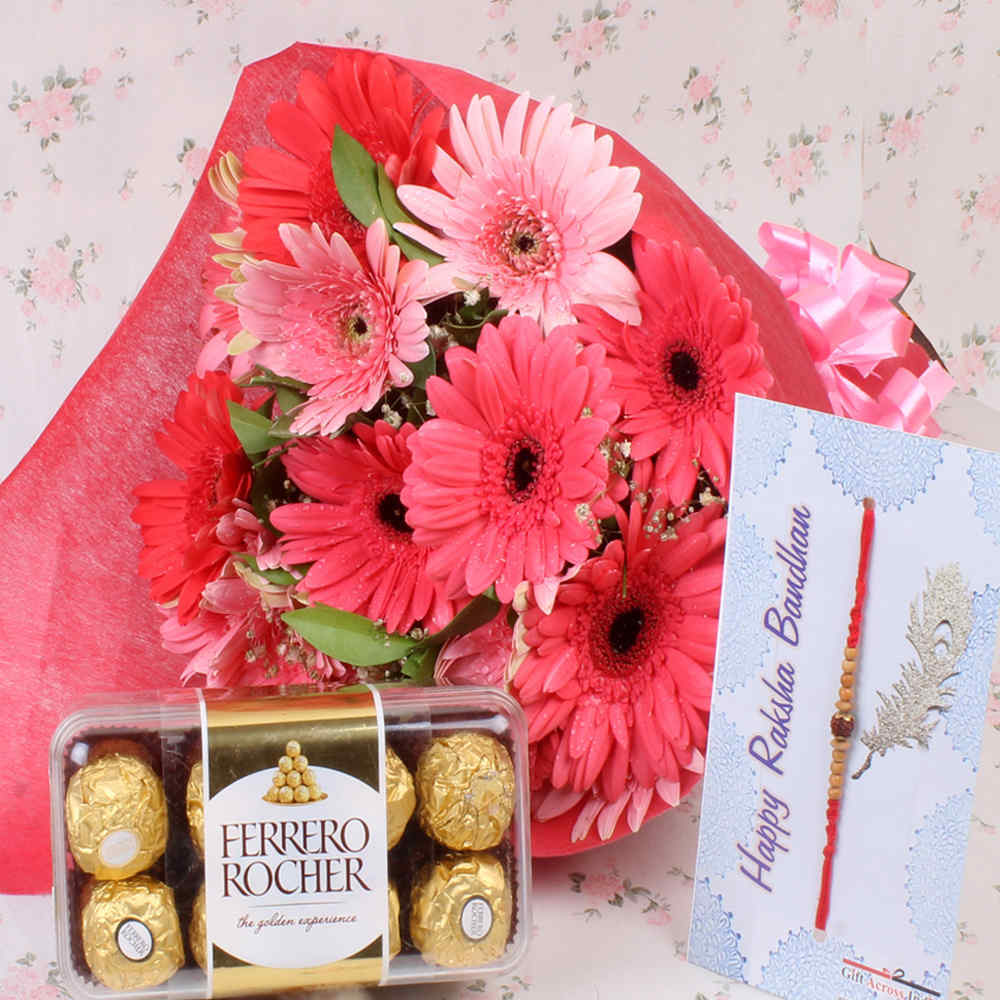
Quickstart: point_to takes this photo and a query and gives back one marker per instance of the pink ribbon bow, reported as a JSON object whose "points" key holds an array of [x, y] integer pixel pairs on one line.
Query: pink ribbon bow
{"points": [[858, 338]]}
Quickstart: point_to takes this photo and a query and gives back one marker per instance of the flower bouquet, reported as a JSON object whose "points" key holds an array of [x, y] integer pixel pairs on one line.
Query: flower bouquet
{"points": [[457, 375]]}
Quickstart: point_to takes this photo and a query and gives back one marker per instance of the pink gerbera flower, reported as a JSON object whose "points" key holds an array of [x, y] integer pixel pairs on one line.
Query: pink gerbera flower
{"points": [[239, 639], [478, 657], [527, 211], [348, 330], [616, 681], [179, 517], [501, 482], [675, 375], [362, 550], [374, 102]]}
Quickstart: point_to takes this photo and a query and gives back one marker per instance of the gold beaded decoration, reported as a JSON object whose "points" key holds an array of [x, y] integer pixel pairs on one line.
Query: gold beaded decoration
{"points": [[294, 782]]}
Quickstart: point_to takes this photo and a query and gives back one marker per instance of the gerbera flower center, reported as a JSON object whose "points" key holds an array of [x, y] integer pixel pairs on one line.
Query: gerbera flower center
{"points": [[356, 327], [621, 637], [682, 369], [216, 478], [524, 461], [521, 241], [625, 630], [347, 327], [624, 634], [392, 513], [524, 243]]}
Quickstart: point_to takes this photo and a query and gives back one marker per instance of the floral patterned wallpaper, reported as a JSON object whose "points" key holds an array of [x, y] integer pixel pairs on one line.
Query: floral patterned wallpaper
{"points": [[853, 118]]}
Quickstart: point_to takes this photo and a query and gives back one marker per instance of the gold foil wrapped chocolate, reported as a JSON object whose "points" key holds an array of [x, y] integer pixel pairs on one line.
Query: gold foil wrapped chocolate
{"points": [[198, 930], [116, 816], [131, 934], [400, 796], [395, 941], [465, 783], [460, 911], [196, 807]]}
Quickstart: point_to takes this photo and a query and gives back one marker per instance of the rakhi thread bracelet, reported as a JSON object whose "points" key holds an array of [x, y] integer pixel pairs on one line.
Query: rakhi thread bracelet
{"points": [[842, 722]]}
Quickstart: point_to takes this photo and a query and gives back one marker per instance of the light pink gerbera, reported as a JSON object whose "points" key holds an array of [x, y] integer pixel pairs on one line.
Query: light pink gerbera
{"points": [[479, 657], [675, 375], [616, 681], [362, 550], [238, 638], [527, 211], [347, 330], [501, 481]]}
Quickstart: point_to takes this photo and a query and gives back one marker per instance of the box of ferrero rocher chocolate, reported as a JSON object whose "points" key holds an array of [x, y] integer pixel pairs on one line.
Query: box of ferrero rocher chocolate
{"points": [[216, 844]]}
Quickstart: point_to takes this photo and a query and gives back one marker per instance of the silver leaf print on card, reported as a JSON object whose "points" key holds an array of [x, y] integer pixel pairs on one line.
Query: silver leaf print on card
{"points": [[938, 632]]}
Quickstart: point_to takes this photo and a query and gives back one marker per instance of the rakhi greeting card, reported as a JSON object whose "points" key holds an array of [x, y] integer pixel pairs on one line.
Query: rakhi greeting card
{"points": [[857, 632]]}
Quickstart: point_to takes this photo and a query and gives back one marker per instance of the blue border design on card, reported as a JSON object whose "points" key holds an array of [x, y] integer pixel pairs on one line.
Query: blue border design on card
{"points": [[963, 721], [729, 796], [984, 471], [713, 943], [750, 588], [807, 969], [762, 446], [869, 461], [934, 882]]}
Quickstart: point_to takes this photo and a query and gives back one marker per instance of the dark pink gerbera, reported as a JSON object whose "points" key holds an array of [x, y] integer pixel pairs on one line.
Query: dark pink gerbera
{"points": [[179, 517], [502, 481], [616, 681], [374, 102], [362, 550], [676, 374]]}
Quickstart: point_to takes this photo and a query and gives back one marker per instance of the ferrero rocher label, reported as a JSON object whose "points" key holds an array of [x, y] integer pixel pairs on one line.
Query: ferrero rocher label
{"points": [[465, 783], [116, 816], [400, 796], [131, 934], [296, 871], [196, 807], [460, 913]]}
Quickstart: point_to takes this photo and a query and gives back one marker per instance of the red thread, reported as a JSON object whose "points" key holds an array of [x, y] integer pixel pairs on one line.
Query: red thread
{"points": [[861, 587], [853, 642], [832, 818]]}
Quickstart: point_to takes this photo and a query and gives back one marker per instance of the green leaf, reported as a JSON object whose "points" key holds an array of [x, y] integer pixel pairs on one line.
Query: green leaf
{"points": [[393, 212], [477, 612], [354, 174], [281, 577], [419, 666], [348, 637], [252, 428], [267, 377], [423, 370], [281, 429], [267, 489], [288, 399]]}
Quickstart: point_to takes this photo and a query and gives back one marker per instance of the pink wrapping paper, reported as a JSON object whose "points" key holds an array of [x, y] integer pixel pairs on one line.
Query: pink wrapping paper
{"points": [[74, 616]]}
